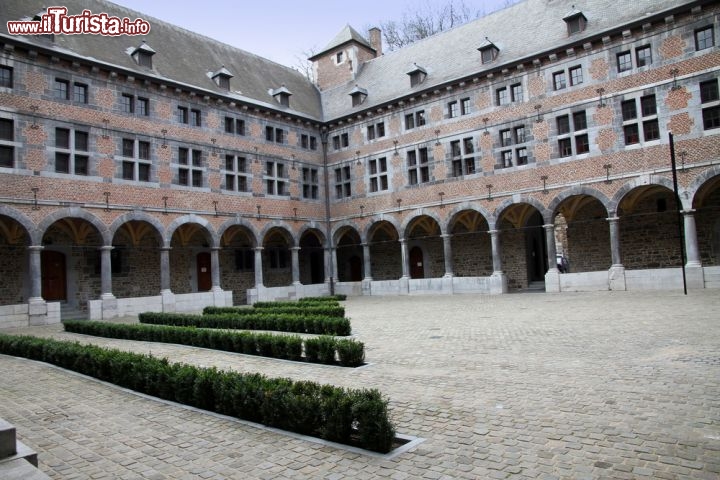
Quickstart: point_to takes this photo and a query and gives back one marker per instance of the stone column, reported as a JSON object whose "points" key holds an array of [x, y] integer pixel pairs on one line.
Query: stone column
{"points": [[447, 252], [552, 276], [333, 256], [258, 267], [496, 251], [215, 268], [106, 272], [404, 258], [616, 274], [35, 274], [295, 257], [165, 269], [367, 262], [328, 268], [691, 243], [694, 273]]}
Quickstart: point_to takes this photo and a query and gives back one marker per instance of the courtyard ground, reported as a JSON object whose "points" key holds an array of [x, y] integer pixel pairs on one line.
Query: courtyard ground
{"points": [[550, 386]]}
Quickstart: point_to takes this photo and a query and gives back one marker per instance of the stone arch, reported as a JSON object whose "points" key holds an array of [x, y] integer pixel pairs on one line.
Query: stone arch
{"points": [[311, 255], [470, 242], [489, 218], [376, 220], [642, 181], [577, 190], [238, 223], [140, 217], [699, 182], [74, 212], [505, 204], [706, 205], [24, 221], [281, 226], [413, 216], [308, 227], [342, 227], [192, 218], [385, 250]]}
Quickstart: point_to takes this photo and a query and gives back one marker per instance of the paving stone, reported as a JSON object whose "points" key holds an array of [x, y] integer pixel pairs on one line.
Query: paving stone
{"points": [[591, 385]]}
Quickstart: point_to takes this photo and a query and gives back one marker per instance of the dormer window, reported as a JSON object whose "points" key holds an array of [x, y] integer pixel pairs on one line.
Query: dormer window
{"points": [[282, 95], [358, 95], [38, 18], [222, 78], [488, 51], [143, 55], [417, 75], [575, 21]]}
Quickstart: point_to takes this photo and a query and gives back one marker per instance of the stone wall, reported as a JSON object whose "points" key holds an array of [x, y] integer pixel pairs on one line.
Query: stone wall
{"points": [[13, 261], [649, 233], [386, 260], [472, 254], [588, 240], [514, 258]]}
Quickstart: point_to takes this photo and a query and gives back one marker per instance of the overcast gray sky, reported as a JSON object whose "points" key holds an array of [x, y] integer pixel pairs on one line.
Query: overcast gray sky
{"points": [[281, 30]]}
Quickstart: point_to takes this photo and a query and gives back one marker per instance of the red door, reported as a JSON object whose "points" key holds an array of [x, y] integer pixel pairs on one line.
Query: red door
{"points": [[416, 263], [54, 287], [204, 275]]}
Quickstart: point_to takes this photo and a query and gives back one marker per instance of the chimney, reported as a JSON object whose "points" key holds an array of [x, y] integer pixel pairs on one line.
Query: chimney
{"points": [[376, 40]]}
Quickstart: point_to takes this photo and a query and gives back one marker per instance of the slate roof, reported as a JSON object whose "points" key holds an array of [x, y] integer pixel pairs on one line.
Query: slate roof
{"points": [[519, 31], [346, 35], [181, 56]]}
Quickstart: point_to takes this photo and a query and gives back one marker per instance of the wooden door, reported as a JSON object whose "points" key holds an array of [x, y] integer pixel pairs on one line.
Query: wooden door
{"points": [[417, 269], [204, 272], [54, 284]]}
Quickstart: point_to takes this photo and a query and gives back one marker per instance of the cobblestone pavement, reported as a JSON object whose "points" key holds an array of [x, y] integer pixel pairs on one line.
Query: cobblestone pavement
{"points": [[568, 386]]}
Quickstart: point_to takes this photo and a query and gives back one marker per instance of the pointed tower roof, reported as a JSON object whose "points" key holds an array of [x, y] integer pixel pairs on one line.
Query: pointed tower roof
{"points": [[346, 35]]}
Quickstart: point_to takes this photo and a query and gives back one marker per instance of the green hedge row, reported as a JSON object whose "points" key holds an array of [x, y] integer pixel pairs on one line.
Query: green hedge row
{"points": [[319, 309], [354, 417], [329, 298], [347, 353], [258, 320]]}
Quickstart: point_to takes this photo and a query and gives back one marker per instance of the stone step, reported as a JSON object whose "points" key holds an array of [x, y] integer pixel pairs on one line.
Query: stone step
{"points": [[20, 469], [7, 439], [24, 453]]}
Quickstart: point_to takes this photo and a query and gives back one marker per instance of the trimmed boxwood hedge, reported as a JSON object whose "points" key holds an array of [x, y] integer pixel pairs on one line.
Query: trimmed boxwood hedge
{"points": [[354, 417], [290, 308], [349, 353], [257, 320]]}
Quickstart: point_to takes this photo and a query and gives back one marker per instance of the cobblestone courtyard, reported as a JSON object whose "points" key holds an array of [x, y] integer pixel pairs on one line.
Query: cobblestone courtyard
{"points": [[568, 386]]}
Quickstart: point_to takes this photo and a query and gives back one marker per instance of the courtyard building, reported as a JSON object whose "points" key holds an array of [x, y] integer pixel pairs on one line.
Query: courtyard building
{"points": [[169, 171]]}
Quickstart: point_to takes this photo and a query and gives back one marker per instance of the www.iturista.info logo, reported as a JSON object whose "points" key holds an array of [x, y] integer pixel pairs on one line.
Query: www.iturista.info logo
{"points": [[57, 21]]}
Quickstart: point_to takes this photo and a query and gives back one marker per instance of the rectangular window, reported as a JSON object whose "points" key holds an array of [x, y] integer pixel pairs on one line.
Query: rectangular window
{"points": [[624, 61], [505, 138], [629, 110], [244, 260], [507, 158], [313, 143], [234, 125], [62, 162], [418, 167], [709, 91], [342, 182], [576, 75], [521, 154], [502, 97], [520, 134], [455, 148], [582, 144], [651, 130], [378, 174], [643, 56], [452, 109], [6, 76], [344, 140], [464, 106], [711, 118], [80, 93], [648, 105], [704, 38], [7, 134], [631, 134], [279, 135], [380, 129], [136, 165], [371, 132], [236, 176], [182, 115], [62, 138], [195, 118], [516, 93], [61, 89], [311, 184], [563, 124], [276, 181], [336, 142], [127, 103], [304, 142], [270, 134], [409, 121], [143, 106], [559, 80], [579, 121], [565, 147], [191, 172], [463, 162]]}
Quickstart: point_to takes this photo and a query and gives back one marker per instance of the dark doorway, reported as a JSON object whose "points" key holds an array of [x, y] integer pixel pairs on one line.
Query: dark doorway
{"points": [[204, 272], [317, 265], [417, 269], [355, 268], [54, 283], [536, 248]]}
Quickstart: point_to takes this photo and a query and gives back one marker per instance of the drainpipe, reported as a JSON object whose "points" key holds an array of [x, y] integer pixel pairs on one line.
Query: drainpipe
{"points": [[331, 269]]}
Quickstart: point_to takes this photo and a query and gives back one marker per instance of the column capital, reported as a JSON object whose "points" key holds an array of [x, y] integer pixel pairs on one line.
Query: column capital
{"points": [[613, 219], [548, 226], [690, 211], [493, 232], [35, 248], [106, 248], [215, 249], [258, 249], [295, 249], [446, 235], [165, 248]]}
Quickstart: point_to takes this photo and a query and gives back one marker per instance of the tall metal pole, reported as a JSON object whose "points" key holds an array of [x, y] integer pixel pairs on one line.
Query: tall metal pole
{"points": [[324, 142], [681, 238]]}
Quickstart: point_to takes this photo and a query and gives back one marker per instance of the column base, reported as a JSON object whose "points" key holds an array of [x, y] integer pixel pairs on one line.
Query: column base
{"points": [[616, 278], [37, 311], [366, 286], [498, 283], [447, 283], [552, 281], [404, 286], [109, 306], [695, 276], [168, 300]]}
